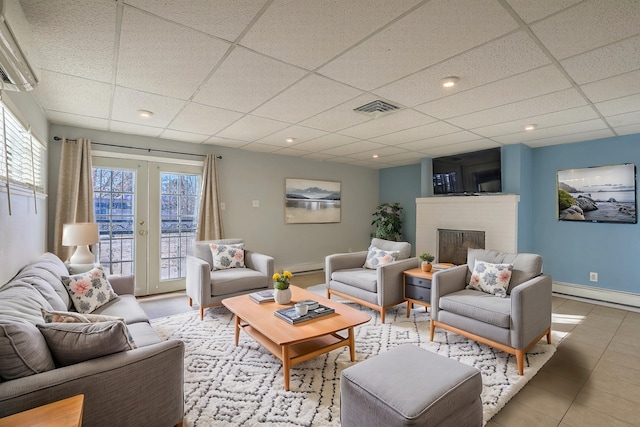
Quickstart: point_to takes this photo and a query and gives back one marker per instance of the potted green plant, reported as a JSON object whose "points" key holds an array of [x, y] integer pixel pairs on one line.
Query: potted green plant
{"points": [[281, 291], [426, 258], [388, 221]]}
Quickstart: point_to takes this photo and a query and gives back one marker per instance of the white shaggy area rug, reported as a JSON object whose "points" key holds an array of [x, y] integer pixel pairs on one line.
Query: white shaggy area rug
{"points": [[227, 385]]}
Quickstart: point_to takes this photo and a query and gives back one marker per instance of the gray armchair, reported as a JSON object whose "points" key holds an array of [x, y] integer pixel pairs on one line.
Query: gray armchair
{"points": [[208, 287], [379, 288], [513, 324]]}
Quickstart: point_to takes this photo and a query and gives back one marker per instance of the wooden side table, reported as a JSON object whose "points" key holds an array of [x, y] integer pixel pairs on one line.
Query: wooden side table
{"points": [[417, 288], [63, 413]]}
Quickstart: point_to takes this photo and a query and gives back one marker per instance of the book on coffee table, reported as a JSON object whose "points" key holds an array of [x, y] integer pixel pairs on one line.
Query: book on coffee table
{"points": [[290, 314], [262, 296]]}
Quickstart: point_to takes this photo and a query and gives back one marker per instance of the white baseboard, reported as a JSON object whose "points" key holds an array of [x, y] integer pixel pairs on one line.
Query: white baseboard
{"points": [[597, 294], [311, 267]]}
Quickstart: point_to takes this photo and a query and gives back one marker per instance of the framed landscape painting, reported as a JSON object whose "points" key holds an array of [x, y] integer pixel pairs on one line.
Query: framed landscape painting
{"points": [[598, 194], [309, 201]]}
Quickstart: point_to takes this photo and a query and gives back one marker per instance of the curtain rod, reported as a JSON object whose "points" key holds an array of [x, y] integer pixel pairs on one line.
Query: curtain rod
{"points": [[57, 138]]}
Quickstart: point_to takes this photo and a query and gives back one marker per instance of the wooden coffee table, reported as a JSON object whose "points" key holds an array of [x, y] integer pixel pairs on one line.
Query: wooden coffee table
{"points": [[293, 344]]}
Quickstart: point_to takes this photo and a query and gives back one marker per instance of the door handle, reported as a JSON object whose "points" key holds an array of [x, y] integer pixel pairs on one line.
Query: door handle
{"points": [[142, 232]]}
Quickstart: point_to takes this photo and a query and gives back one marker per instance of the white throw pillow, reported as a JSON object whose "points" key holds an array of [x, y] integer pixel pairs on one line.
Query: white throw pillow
{"points": [[491, 278], [89, 290], [377, 257], [227, 256]]}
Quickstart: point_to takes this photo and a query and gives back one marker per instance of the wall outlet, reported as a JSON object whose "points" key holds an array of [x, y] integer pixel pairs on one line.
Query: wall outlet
{"points": [[256, 203], [593, 276]]}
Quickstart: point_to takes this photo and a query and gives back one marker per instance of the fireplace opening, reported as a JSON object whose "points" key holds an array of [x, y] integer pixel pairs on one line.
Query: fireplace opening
{"points": [[453, 244]]}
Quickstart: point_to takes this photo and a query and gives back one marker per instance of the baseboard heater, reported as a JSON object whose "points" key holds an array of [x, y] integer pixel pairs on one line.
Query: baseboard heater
{"points": [[602, 295]]}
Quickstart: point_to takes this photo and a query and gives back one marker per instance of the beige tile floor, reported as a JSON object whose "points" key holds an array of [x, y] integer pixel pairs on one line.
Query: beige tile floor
{"points": [[593, 379]]}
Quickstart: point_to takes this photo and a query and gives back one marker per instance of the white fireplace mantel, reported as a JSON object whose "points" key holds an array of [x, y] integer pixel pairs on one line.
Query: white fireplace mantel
{"points": [[496, 215]]}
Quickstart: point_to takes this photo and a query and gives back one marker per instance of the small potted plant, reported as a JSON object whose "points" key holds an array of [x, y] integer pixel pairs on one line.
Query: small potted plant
{"points": [[426, 261], [282, 293]]}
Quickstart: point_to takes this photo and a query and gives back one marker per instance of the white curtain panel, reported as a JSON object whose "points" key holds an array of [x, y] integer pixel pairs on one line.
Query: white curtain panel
{"points": [[209, 217]]}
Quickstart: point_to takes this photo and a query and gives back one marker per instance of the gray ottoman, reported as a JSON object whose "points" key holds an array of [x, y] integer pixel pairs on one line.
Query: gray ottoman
{"points": [[410, 386]]}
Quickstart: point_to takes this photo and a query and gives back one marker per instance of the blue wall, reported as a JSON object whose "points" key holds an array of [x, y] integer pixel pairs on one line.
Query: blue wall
{"points": [[571, 250], [402, 184]]}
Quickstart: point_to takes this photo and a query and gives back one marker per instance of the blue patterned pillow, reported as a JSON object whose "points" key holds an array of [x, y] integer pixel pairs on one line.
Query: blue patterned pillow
{"points": [[227, 256], [89, 290], [491, 278], [377, 257]]}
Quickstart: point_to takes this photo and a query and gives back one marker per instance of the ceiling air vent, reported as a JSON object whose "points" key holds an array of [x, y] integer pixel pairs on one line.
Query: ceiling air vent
{"points": [[376, 108]]}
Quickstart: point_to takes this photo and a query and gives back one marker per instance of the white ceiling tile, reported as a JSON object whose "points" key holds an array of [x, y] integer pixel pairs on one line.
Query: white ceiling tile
{"points": [[614, 87], [381, 152], [619, 105], [251, 128], [236, 85], [75, 95], [430, 130], [261, 148], [531, 11], [557, 101], [341, 116], [134, 129], [356, 147], [420, 39], [543, 121], [326, 142], [449, 139], [77, 120], [463, 147], [626, 119], [143, 65], [317, 156], [628, 130], [307, 98], [79, 40], [552, 132], [221, 18], [392, 122], [291, 151], [568, 139], [225, 142], [498, 59], [300, 31], [198, 118], [127, 102], [512, 89], [608, 61], [183, 136], [589, 25], [298, 133]]}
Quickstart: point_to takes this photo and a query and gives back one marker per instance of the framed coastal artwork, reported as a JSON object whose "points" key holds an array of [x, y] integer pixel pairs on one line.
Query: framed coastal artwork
{"points": [[311, 201], [598, 194]]}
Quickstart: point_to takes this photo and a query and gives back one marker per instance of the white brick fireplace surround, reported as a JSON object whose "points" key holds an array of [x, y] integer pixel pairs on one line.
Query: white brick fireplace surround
{"points": [[496, 215]]}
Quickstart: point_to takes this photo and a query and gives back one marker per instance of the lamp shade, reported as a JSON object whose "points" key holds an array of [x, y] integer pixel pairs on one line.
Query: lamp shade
{"points": [[81, 233]]}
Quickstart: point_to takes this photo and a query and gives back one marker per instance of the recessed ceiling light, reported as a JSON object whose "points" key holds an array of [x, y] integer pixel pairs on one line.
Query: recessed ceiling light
{"points": [[375, 156], [449, 82], [290, 140], [530, 127], [145, 114]]}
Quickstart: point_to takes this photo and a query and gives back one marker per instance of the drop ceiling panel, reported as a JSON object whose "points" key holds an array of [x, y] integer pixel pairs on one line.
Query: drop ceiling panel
{"points": [[221, 18], [568, 139], [251, 128], [225, 142], [341, 116], [356, 147], [614, 87], [612, 60], [298, 133], [237, 86], [77, 120], [557, 101], [430, 130], [531, 11], [326, 142], [74, 95], [382, 152], [261, 148], [127, 102], [386, 124], [154, 55], [450, 139], [512, 89], [620, 105], [552, 132], [291, 151], [464, 147], [134, 129], [628, 130], [626, 119], [420, 39], [509, 55], [299, 31], [589, 25], [307, 98], [183, 136], [202, 119], [76, 40]]}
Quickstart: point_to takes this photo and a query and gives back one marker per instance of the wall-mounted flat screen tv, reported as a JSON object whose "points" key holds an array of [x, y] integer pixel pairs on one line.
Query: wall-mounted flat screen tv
{"points": [[468, 173], [598, 194]]}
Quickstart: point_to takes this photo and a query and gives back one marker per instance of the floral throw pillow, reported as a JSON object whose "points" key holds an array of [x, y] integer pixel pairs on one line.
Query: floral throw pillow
{"points": [[89, 290], [491, 278], [227, 256], [377, 257]]}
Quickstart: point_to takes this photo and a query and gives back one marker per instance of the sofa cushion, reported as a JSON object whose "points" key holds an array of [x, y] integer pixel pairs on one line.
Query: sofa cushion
{"points": [[233, 280], [362, 278], [526, 266], [491, 278], [479, 306], [21, 300], [227, 256], [89, 290], [403, 248], [72, 317], [23, 349], [143, 334], [72, 343], [51, 269], [126, 307], [377, 257]]}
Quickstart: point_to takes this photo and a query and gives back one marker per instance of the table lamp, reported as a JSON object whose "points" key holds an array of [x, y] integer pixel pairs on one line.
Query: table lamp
{"points": [[81, 235]]}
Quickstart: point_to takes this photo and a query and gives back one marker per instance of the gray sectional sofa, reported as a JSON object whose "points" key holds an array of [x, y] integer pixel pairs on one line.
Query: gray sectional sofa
{"points": [[139, 386]]}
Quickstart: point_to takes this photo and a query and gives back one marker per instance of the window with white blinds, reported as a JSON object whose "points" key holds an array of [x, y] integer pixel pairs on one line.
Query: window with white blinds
{"points": [[22, 155]]}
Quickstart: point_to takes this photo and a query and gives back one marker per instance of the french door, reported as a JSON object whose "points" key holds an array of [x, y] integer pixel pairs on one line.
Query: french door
{"points": [[147, 216]]}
